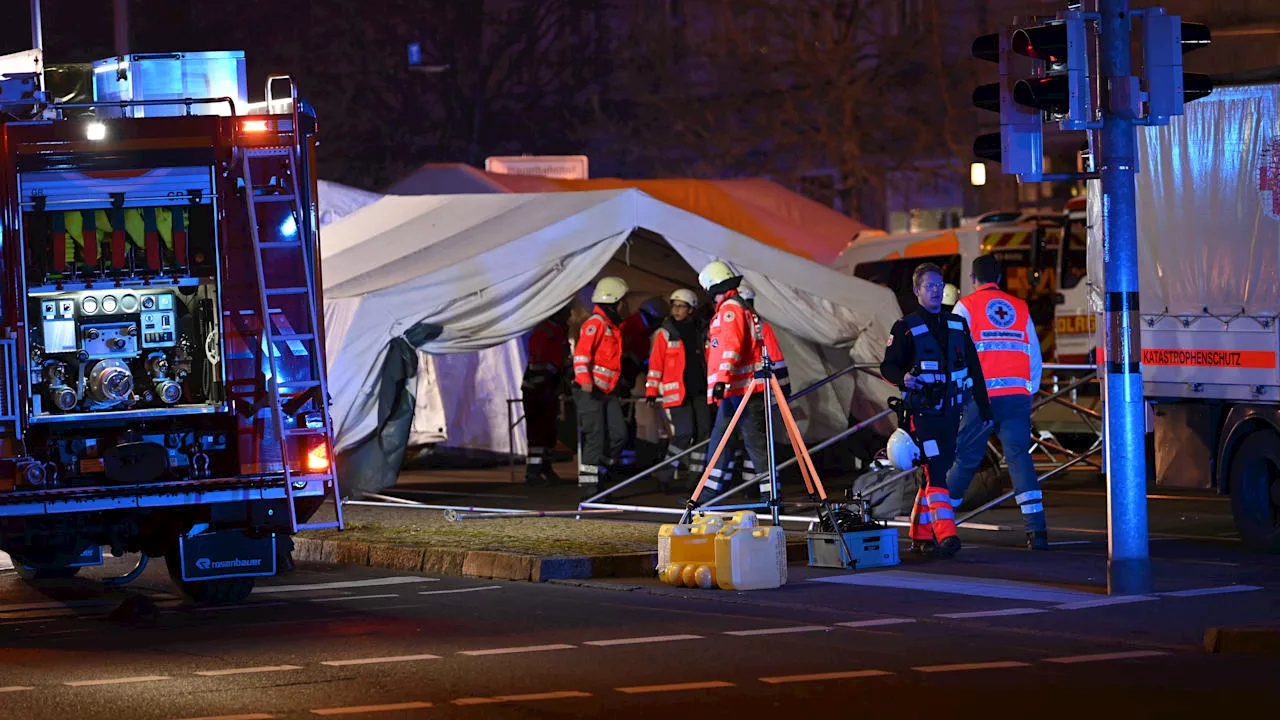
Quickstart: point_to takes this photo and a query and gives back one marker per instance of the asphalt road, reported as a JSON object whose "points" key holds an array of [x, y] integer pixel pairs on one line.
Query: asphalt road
{"points": [[996, 632]]}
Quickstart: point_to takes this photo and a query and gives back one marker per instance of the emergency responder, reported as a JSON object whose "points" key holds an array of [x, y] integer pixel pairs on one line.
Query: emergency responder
{"points": [[597, 361], [735, 453], [540, 394], [1009, 351], [734, 355], [677, 373], [931, 358]]}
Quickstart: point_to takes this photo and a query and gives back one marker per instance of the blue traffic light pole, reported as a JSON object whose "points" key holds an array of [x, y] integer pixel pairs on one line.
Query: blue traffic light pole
{"points": [[1128, 565]]}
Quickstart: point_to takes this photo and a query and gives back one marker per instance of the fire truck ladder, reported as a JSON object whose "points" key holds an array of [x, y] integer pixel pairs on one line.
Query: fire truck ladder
{"points": [[283, 252]]}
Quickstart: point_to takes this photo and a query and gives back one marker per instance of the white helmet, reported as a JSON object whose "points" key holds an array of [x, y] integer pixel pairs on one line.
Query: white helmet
{"points": [[950, 294], [902, 450], [746, 293], [609, 290], [686, 296], [716, 272]]}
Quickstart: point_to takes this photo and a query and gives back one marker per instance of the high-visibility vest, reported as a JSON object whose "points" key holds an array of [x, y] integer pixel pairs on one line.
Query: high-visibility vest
{"points": [[947, 384], [998, 322], [597, 356], [666, 368]]}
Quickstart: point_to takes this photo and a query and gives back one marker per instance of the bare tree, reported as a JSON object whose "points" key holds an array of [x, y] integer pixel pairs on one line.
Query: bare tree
{"points": [[866, 88]]}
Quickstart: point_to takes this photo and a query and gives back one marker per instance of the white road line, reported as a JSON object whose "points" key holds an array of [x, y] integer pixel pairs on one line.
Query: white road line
{"points": [[250, 716], [641, 640], [824, 676], [971, 666], [556, 695], [15, 688], [248, 670], [1107, 656], [23, 607], [372, 582], [356, 597], [1211, 591], [993, 613], [239, 606], [356, 709], [460, 590], [1105, 601], [960, 585], [675, 687], [876, 623], [1070, 542], [514, 650], [116, 681], [779, 631], [375, 661]]}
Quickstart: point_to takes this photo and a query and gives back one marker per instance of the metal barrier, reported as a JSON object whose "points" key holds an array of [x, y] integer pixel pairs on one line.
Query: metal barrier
{"points": [[592, 502]]}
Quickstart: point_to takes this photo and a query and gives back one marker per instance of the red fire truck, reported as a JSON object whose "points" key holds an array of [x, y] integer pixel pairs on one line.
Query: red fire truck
{"points": [[162, 376]]}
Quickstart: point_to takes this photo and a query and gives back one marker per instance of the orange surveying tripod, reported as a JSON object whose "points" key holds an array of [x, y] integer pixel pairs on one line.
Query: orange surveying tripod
{"points": [[813, 484]]}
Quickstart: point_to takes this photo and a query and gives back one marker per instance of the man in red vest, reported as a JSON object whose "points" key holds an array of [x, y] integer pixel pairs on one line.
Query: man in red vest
{"points": [[597, 363], [540, 394], [1009, 351], [677, 372]]}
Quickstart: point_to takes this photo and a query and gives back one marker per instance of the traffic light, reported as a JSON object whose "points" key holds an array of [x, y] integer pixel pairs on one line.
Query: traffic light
{"points": [[1019, 146], [1060, 87], [1165, 39]]}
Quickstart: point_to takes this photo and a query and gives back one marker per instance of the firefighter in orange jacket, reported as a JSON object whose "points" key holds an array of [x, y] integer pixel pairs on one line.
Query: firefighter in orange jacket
{"points": [[737, 457], [597, 363], [540, 394], [1009, 351], [734, 355], [677, 371]]}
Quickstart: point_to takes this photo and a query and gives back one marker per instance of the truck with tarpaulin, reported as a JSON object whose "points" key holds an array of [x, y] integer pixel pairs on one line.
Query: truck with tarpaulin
{"points": [[162, 375], [1208, 205]]}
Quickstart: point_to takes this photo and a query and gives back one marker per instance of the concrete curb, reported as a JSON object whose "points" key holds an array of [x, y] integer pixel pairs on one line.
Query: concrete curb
{"points": [[473, 563], [1247, 641], [486, 563]]}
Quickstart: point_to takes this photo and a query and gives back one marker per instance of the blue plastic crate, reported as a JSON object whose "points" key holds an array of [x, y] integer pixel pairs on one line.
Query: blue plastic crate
{"points": [[870, 549]]}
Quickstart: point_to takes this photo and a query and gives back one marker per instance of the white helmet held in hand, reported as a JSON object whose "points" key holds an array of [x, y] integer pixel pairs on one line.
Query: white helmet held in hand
{"points": [[609, 290], [716, 272], [686, 296], [902, 450]]}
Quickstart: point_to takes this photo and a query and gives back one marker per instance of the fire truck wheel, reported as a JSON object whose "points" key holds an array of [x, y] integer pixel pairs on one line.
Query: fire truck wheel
{"points": [[33, 573], [209, 592], [1255, 490]]}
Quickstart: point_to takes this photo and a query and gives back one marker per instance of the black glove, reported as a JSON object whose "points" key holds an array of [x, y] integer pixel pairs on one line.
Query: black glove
{"points": [[717, 392], [652, 401]]}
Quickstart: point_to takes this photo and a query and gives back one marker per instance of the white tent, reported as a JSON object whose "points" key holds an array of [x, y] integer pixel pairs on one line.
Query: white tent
{"points": [[487, 268]]}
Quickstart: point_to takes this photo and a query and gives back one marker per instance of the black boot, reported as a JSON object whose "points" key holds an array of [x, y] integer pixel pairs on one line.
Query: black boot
{"points": [[948, 547], [924, 547], [1038, 540]]}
